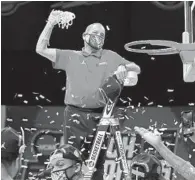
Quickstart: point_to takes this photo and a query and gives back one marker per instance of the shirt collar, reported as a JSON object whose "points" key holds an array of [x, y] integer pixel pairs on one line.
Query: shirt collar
{"points": [[97, 54]]}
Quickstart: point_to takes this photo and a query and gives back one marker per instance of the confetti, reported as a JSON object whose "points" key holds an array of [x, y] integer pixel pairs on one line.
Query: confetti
{"points": [[81, 137], [41, 96], [152, 58], [33, 129], [36, 98], [190, 156], [3, 145], [160, 106], [144, 47], [102, 63], [170, 90], [25, 120], [131, 117], [150, 103], [76, 121], [129, 98], [107, 27], [27, 129], [162, 129], [191, 104], [64, 88], [146, 98], [48, 100], [72, 137], [9, 120], [123, 101], [35, 93], [70, 142], [143, 111], [20, 95], [48, 117], [171, 100], [51, 122], [25, 101], [77, 115], [68, 127], [108, 85]]}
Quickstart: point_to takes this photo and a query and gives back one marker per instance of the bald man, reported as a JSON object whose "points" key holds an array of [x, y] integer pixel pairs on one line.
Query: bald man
{"points": [[86, 72]]}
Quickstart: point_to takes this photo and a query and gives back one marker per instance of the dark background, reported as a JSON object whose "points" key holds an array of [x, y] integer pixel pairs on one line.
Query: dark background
{"points": [[25, 72]]}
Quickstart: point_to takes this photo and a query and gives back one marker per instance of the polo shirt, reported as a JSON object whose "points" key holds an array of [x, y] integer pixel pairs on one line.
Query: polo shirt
{"points": [[85, 74]]}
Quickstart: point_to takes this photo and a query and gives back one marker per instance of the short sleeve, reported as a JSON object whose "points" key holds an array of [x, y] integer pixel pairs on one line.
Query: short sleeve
{"points": [[119, 60], [131, 66], [62, 58]]}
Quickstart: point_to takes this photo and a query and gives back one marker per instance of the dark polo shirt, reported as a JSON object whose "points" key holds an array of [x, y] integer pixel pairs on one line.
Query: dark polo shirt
{"points": [[86, 74]]}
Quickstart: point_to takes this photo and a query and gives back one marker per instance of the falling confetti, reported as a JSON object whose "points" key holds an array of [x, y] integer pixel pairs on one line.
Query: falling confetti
{"points": [[41, 96], [9, 120], [129, 98], [64, 88], [48, 100], [25, 120], [57, 113], [150, 103], [144, 47], [160, 106], [107, 27], [25, 101], [170, 90], [23, 166], [152, 58], [146, 98], [51, 122], [191, 104]]}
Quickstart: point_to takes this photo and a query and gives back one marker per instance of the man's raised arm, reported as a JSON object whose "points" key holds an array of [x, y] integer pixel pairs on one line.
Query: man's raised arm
{"points": [[43, 41]]}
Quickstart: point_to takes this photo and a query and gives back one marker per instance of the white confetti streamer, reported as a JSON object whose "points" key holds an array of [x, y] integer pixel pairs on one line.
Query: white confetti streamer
{"points": [[150, 103], [191, 104], [51, 122], [9, 120], [25, 101], [170, 90], [41, 96], [25, 120], [146, 98], [107, 27], [63, 89]]}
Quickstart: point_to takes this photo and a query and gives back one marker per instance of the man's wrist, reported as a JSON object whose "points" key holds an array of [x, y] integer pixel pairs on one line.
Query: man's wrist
{"points": [[50, 24]]}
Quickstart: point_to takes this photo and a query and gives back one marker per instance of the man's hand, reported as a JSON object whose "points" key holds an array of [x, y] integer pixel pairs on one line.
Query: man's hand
{"points": [[133, 67], [54, 17], [121, 73], [150, 137]]}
